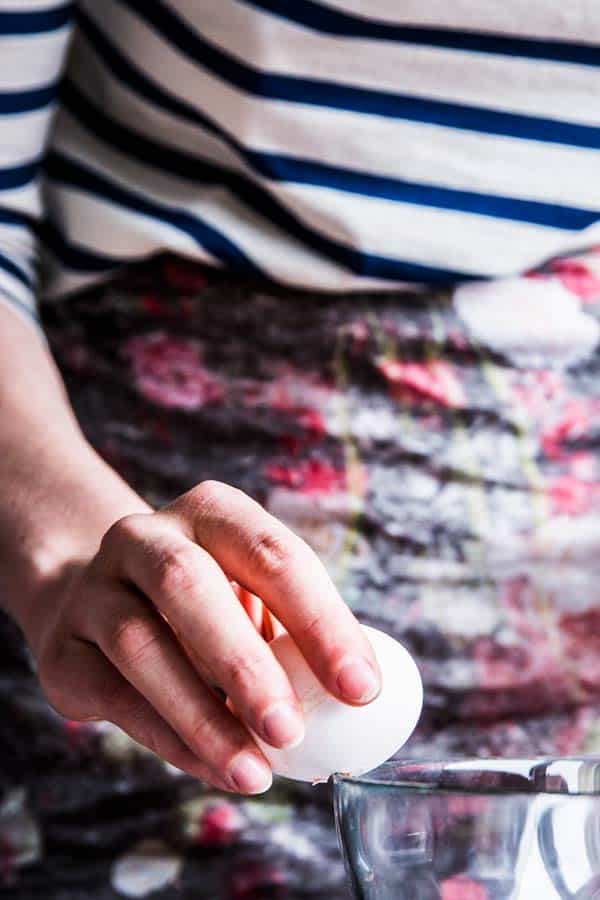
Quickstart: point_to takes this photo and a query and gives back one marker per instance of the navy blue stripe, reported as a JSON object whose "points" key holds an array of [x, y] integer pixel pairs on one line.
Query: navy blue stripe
{"points": [[381, 103], [16, 271], [281, 167], [163, 158], [326, 20], [76, 258], [26, 101], [18, 176], [197, 169], [67, 171], [31, 312], [35, 21], [13, 217]]}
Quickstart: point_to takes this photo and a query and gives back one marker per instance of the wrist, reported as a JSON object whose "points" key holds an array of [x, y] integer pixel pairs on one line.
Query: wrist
{"points": [[51, 525]]}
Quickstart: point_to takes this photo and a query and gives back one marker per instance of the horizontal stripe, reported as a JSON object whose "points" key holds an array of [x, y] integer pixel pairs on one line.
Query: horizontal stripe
{"points": [[14, 269], [26, 101], [278, 45], [44, 55], [18, 176], [116, 235], [279, 256], [268, 207], [15, 217], [25, 136], [62, 169], [378, 230], [536, 19], [194, 168], [368, 102], [331, 21], [77, 258], [34, 21], [100, 66]]}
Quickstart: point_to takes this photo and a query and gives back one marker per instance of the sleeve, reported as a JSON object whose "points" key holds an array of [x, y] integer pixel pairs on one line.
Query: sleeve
{"points": [[34, 36]]}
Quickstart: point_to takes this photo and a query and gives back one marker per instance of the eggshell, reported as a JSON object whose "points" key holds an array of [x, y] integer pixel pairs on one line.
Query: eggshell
{"points": [[342, 738]]}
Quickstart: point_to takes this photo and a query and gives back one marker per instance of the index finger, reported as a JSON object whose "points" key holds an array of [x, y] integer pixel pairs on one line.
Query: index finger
{"points": [[268, 559]]}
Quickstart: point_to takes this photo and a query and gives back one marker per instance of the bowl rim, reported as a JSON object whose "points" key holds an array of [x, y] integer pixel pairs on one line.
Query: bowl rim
{"points": [[535, 775]]}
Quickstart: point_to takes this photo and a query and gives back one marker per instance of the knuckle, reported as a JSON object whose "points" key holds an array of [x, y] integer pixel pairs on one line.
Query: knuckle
{"points": [[201, 734], [133, 639], [174, 571], [126, 529], [211, 493], [271, 555], [243, 673]]}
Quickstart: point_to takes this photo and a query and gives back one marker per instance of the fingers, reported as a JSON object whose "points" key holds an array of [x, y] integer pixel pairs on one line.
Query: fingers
{"points": [[264, 556], [103, 693], [189, 589], [144, 650]]}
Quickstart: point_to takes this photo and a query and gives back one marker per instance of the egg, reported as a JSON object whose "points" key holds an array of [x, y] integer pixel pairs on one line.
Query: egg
{"points": [[342, 738]]}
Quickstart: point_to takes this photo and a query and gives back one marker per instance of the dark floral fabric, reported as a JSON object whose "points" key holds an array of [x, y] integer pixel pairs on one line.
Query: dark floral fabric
{"points": [[441, 453]]}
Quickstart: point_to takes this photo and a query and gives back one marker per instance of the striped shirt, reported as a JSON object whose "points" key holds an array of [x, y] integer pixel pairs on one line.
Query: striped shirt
{"points": [[332, 144]]}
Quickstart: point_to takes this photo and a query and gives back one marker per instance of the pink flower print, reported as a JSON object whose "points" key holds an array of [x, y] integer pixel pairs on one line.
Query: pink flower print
{"points": [[434, 380], [460, 887], [570, 496], [573, 423], [169, 371], [570, 737], [577, 278], [534, 390], [219, 825], [310, 476], [581, 636]]}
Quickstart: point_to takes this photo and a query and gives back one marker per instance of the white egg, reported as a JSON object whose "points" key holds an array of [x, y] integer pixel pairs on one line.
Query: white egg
{"points": [[342, 738]]}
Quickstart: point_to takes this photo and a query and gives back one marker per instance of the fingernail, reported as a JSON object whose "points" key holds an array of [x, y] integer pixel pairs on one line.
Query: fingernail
{"points": [[357, 681], [283, 726], [249, 775]]}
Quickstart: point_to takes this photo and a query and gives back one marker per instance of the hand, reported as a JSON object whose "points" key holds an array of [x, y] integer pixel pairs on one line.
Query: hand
{"points": [[143, 633]]}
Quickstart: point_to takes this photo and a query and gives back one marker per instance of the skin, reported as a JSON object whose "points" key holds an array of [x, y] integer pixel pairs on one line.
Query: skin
{"points": [[138, 616]]}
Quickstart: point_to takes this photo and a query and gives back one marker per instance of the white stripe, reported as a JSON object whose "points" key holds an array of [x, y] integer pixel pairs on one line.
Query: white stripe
{"points": [[430, 236], [17, 242], [572, 21], [25, 136], [275, 45], [25, 199], [417, 234], [94, 222], [43, 53], [274, 251], [429, 154], [30, 5], [12, 287], [96, 80]]}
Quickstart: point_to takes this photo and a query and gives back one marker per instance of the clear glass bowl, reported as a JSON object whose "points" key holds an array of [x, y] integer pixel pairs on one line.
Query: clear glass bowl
{"points": [[524, 829]]}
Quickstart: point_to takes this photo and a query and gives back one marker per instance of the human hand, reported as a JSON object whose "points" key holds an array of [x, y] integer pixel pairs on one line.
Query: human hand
{"points": [[143, 633]]}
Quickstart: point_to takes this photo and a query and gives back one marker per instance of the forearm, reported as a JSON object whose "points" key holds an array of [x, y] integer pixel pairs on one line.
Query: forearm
{"points": [[57, 496]]}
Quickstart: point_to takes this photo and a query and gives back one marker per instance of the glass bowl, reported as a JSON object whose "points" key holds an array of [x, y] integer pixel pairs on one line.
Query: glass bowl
{"points": [[494, 829]]}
